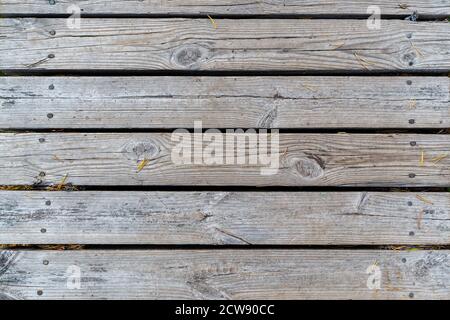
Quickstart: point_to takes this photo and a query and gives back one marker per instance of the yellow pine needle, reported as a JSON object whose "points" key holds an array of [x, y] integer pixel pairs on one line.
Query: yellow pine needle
{"points": [[213, 22], [310, 88], [142, 165], [61, 185], [338, 45], [423, 199], [422, 158], [363, 62], [419, 220], [439, 158], [416, 49]]}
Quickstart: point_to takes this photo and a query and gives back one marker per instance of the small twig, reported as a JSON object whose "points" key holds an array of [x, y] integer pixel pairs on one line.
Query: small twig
{"points": [[438, 159], [423, 199], [37, 63], [419, 219]]}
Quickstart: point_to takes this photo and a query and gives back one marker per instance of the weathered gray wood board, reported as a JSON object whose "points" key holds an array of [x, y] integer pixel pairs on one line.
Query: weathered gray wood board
{"points": [[224, 102], [225, 274], [224, 7], [232, 218], [304, 160], [195, 44]]}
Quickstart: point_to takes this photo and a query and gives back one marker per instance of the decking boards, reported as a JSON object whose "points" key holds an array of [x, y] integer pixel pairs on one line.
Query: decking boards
{"points": [[224, 102], [357, 206], [227, 45], [229, 7], [225, 218], [225, 274]]}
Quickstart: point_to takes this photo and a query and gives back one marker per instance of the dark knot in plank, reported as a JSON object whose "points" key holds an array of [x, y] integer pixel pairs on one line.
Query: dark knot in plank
{"points": [[189, 56], [139, 151]]}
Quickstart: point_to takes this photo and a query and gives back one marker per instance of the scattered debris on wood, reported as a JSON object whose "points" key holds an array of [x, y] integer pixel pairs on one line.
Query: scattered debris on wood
{"points": [[15, 188], [43, 247], [413, 17], [62, 185]]}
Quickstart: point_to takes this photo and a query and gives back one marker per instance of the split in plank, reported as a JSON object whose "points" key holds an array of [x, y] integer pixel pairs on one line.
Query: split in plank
{"points": [[303, 159], [235, 45], [224, 102], [230, 218], [225, 274], [227, 7]]}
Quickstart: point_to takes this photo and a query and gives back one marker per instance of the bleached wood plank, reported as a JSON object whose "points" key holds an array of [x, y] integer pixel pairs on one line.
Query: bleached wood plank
{"points": [[231, 218], [225, 274], [224, 102], [224, 7], [304, 160], [239, 45]]}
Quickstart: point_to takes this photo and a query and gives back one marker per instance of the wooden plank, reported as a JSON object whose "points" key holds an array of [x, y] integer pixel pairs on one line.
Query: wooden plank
{"points": [[231, 218], [224, 102], [239, 45], [226, 7], [303, 160], [225, 274]]}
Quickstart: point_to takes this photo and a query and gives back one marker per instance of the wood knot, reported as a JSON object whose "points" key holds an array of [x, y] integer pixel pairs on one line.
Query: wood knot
{"points": [[6, 260], [309, 168], [409, 58], [138, 151], [188, 56]]}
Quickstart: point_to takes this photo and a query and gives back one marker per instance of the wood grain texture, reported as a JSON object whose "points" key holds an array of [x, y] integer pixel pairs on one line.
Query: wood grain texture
{"points": [[224, 102], [230, 218], [239, 45], [224, 7], [304, 160], [225, 274]]}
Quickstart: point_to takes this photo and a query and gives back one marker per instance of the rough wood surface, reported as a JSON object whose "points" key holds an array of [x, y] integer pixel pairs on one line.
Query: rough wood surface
{"points": [[224, 102], [232, 218], [196, 44], [304, 160], [225, 274], [224, 7]]}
